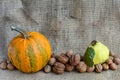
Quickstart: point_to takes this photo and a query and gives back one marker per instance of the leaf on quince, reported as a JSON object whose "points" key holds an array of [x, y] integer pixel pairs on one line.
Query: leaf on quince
{"points": [[89, 56]]}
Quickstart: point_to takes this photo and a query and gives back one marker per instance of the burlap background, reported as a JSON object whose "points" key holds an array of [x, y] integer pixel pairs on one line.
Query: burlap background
{"points": [[68, 24]]}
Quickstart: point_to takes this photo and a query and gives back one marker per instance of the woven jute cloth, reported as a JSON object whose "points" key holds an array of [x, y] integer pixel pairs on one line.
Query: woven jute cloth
{"points": [[68, 24]]}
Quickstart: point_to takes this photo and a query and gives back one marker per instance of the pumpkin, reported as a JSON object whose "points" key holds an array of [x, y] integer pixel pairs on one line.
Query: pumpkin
{"points": [[29, 51]]}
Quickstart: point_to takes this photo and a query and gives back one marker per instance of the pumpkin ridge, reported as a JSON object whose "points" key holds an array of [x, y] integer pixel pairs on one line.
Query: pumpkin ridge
{"points": [[42, 54], [37, 53], [46, 43], [32, 58], [14, 50]]}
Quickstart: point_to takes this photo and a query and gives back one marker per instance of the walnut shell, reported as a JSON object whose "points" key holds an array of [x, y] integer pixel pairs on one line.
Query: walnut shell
{"points": [[105, 66], [116, 61], [63, 58], [109, 61], [69, 68], [3, 65], [57, 71], [59, 65], [47, 68], [90, 69], [52, 61], [81, 67], [77, 59], [10, 66], [116, 56], [69, 53], [111, 57], [74, 60], [98, 68], [113, 66]]}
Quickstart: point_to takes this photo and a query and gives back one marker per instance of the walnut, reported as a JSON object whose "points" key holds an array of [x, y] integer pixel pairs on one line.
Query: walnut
{"points": [[69, 67], [105, 66], [116, 61], [10, 66], [59, 65], [58, 68], [75, 59], [69, 53], [57, 71], [111, 57], [52, 61], [63, 58], [109, 61], [113, 66], [3, 65], [47, 68], [98, 68], [90, 69], [81, 67], [115, 56]]}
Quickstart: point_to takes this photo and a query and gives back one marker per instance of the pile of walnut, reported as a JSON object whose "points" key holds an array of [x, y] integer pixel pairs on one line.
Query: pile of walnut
{"points": [[5, 64], [69, 62]]}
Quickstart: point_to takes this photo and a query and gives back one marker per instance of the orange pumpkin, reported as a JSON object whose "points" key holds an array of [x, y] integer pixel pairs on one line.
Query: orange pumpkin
{"points": [[29, 51]]}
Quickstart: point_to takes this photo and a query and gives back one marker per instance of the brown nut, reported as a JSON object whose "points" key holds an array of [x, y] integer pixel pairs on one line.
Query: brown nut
{"points": [[59, 65], [111, 57], [57, 71], [98, 68], [105, 66], [52, 61], [69, 67], [3, 60], [75, 59], [71, 61], [69, 53], [116, 61], [109, 61], [47, 68], [90, 69], [3, 65], [115, 56], [10, 66], [63, 58], [81, 67], [113, 66]]}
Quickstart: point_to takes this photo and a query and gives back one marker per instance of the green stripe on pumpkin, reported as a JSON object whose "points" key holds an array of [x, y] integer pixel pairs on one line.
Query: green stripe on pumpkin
{"points": [[43, 54], [32, 57]]}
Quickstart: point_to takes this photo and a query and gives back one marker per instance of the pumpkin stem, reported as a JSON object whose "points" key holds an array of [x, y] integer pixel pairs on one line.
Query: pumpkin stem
{"points": [[20, 31]]}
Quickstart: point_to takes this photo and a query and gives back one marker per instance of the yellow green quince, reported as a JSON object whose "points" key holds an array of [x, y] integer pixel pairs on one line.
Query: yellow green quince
{"points": [[96, 53]]}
